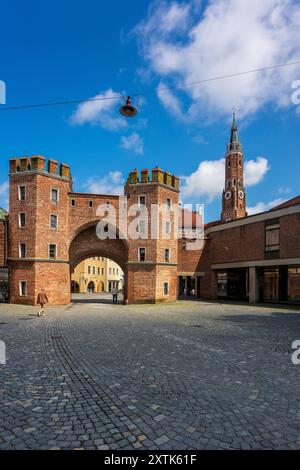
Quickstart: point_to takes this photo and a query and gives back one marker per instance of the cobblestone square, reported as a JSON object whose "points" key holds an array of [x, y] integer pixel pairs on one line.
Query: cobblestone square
{"points": [[191, 375]]}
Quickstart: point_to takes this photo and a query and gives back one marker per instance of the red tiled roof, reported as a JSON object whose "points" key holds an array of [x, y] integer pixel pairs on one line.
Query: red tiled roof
{"points": [[212, 224], [186, 216], [292, 202]]}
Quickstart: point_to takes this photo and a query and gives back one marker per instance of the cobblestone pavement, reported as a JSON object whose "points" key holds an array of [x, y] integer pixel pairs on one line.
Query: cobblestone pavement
{"points": [[183, 376]]}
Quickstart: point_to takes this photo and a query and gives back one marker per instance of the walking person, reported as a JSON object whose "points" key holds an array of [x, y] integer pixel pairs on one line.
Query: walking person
{"points": [[115, 295], [42, 299]]}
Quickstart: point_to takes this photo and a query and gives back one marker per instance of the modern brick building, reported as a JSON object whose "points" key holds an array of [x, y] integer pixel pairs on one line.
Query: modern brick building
{"points": [[51, 229]]}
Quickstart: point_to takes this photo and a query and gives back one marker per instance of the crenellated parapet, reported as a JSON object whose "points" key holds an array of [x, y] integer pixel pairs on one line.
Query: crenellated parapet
{"points": [[39, 164], [157, 175]]}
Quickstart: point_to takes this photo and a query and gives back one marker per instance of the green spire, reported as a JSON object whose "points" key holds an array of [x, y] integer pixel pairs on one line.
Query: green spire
{"points": [[234, 134], [234, 138]]}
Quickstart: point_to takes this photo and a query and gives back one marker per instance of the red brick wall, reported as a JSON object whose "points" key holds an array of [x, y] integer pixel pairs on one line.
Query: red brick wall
{"points": [[236, 244], [290, 236], [2, 244]]}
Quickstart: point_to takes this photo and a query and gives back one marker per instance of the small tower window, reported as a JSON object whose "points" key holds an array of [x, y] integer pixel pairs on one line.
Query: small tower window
{"points": [[23, 288], [53, 221], [142, 227], [90, 203], [52, 251], [22, 250], [54, 196], [22, 219], [22, 193], [229, 164], [142, 201], [169, 202], [142, 254], [73, 202]]}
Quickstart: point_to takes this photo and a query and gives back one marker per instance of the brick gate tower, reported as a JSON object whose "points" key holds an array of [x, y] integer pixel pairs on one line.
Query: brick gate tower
{"points": [[38, 229], [234, 195], [52, 229], [152, 263]]}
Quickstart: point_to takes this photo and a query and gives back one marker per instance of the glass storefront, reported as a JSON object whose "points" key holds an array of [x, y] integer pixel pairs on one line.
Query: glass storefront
{"points": [[294, 284], [4, 285], [187, 286], [233, 284], [281, 284]]}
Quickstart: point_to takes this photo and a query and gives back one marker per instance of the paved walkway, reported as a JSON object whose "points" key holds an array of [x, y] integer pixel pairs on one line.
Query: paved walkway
{"points": [[184, 376]]}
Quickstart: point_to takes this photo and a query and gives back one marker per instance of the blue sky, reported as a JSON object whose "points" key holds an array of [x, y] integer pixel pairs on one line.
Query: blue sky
{"points": [[52, 51]]}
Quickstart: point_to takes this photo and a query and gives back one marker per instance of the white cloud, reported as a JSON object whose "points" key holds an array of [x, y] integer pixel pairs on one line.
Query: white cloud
{"points": [[284, 190], [181, 43], [208, 180], [112, 183], [133, 142], [255, 170], [170, 101], [264, 206], [4, 195], [103, 113], [165, 18]]}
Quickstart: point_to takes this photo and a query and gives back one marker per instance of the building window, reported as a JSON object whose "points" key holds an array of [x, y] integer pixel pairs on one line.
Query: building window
{"points": [[142, 254], [22, 219], [98, 271], [166, 288], [23, 288], [89, 270], [167, 255], [117, 271], [109, 270], [107, 205], [22, 250], [90, 203], [113, 271], [53, 221], [52, 251], [142, 201], [294, 283], [272, 237], [22, 193], [168, 227], [54, 196], [102, 271], [169, 202], [73, 202], [94, 270], [102, 258], [142, 227]]}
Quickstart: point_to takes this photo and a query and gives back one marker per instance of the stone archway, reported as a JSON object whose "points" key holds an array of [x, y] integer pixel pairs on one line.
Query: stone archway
{"points": [[91, 287], [85, 244], [100, 286]]}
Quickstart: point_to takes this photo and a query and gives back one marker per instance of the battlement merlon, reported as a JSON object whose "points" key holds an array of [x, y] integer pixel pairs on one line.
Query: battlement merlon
{"points": [[159, 176], [39, 164]]}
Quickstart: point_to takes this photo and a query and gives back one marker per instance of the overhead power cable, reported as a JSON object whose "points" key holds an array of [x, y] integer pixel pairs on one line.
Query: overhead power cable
{"points": [[162, 89]]}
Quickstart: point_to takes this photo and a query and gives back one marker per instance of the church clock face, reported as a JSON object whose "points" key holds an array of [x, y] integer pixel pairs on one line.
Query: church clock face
{"points": [[241, 194], [228, 195]]}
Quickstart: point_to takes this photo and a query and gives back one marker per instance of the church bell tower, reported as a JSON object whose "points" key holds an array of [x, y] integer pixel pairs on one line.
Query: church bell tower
{"points": [[234, 196]]}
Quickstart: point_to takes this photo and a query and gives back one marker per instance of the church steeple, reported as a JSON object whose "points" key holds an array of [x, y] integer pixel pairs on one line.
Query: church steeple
{"points": [[234, 143], [234, 197]]}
